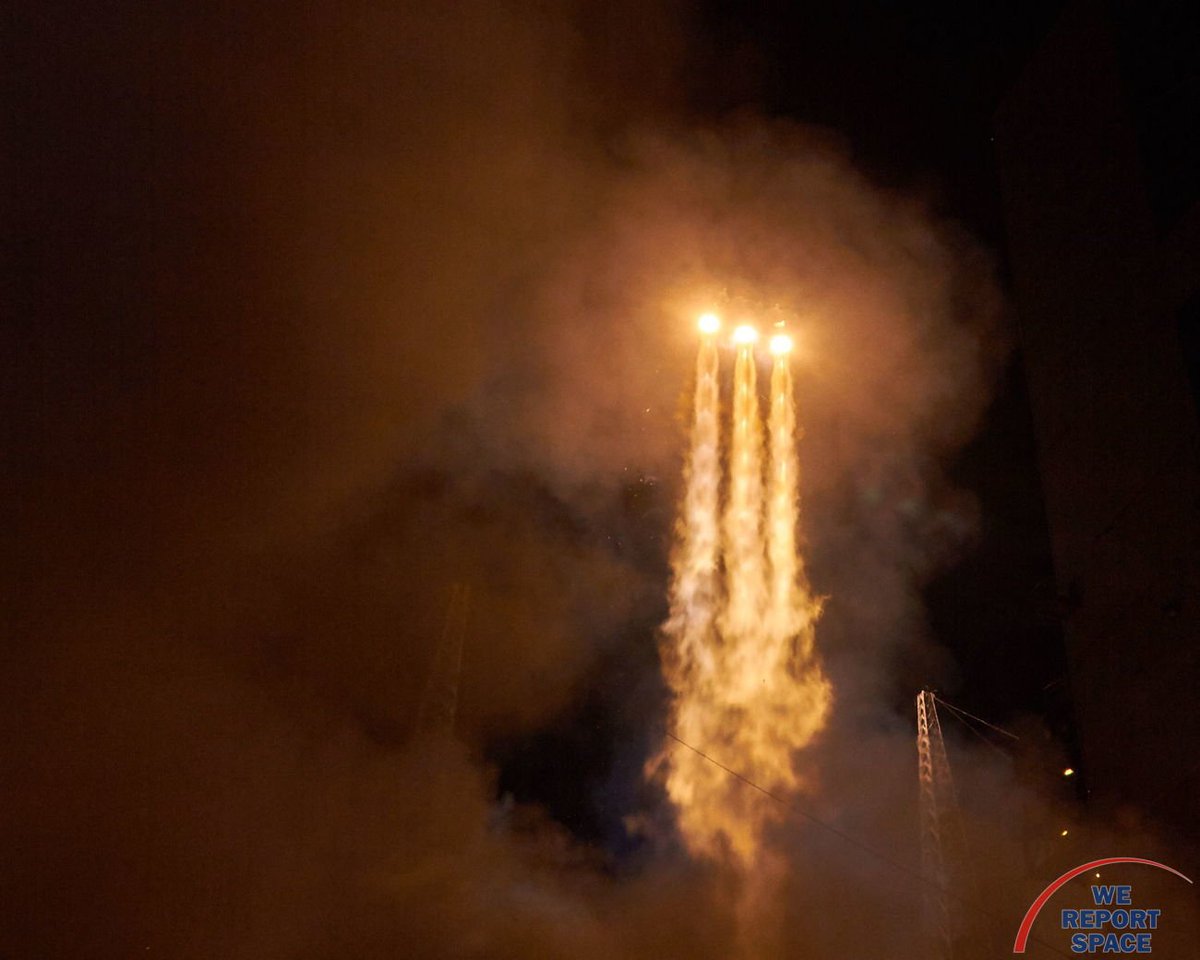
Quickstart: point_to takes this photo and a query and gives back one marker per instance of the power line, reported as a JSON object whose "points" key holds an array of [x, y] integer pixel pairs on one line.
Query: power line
{"points": [[977, 719], [971, 728], [963, 718], [854, 841]]}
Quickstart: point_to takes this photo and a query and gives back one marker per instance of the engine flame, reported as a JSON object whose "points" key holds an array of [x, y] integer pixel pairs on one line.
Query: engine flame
{"points": [[781, 344], [745, 335], [709, 323], [747, 688], [745, 563]]}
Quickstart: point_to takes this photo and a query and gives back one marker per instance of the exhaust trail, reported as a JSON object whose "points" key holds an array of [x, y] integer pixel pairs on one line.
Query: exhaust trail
{"points": [[785, 608], [792, 610], [745, 561], [747, 688], [690, 651], [694, 588]]}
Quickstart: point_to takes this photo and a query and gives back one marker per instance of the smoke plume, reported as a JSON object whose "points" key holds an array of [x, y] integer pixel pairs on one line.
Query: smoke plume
{"points": [[320, 309]]}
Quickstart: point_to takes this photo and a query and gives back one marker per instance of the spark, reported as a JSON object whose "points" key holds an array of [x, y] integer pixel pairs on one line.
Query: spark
{"points": [[1069, 772], [709, 323]]}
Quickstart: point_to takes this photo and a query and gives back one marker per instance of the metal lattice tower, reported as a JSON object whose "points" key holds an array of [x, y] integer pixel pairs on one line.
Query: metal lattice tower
{"points": [[942, 839], [439, 703]]}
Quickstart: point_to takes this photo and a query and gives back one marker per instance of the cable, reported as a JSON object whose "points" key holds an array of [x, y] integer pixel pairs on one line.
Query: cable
{"points": [[866, 848], [959, 710], [971, 728], [968, 725]]}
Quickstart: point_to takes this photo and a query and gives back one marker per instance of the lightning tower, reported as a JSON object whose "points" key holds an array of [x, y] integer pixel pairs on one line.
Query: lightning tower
{"points": [[943, 841]]}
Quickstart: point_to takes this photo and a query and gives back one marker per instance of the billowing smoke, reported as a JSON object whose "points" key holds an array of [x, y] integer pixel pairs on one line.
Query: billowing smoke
{"points": [[321, 309]]}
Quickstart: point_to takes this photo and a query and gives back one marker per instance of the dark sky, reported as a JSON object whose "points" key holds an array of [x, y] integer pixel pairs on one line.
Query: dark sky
{"points": [[910, 89], [913, 88], [312, 314]]}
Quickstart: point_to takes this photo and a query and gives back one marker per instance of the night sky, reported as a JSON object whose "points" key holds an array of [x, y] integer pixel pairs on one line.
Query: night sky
{"points": [[911, 92], [316, 311]]}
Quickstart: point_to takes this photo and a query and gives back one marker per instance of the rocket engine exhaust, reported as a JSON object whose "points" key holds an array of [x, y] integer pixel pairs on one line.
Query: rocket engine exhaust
{"points": [[747, 688]]}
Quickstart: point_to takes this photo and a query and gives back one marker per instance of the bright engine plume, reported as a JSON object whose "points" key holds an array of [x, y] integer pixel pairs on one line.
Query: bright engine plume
{"points": [[738, 651], [709, 323], [745, 335]]}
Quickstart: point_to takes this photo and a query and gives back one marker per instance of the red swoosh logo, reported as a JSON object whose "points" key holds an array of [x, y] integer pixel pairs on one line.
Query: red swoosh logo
{"points": [[1036, 907]]}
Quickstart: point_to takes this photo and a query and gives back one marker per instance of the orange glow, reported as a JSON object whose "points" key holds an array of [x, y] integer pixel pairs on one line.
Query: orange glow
{"points": [[738, 656], [709, 323], [781, 344], [745, 335]]}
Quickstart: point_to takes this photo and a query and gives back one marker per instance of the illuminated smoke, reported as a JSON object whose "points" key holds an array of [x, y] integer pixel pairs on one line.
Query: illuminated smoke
{"points": [[747, 689], [690, 662], [792, 610], [745, 564]]}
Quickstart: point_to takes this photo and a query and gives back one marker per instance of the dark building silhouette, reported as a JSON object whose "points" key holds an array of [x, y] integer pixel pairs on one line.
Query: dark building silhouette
{"points": [[1098, 151]]}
